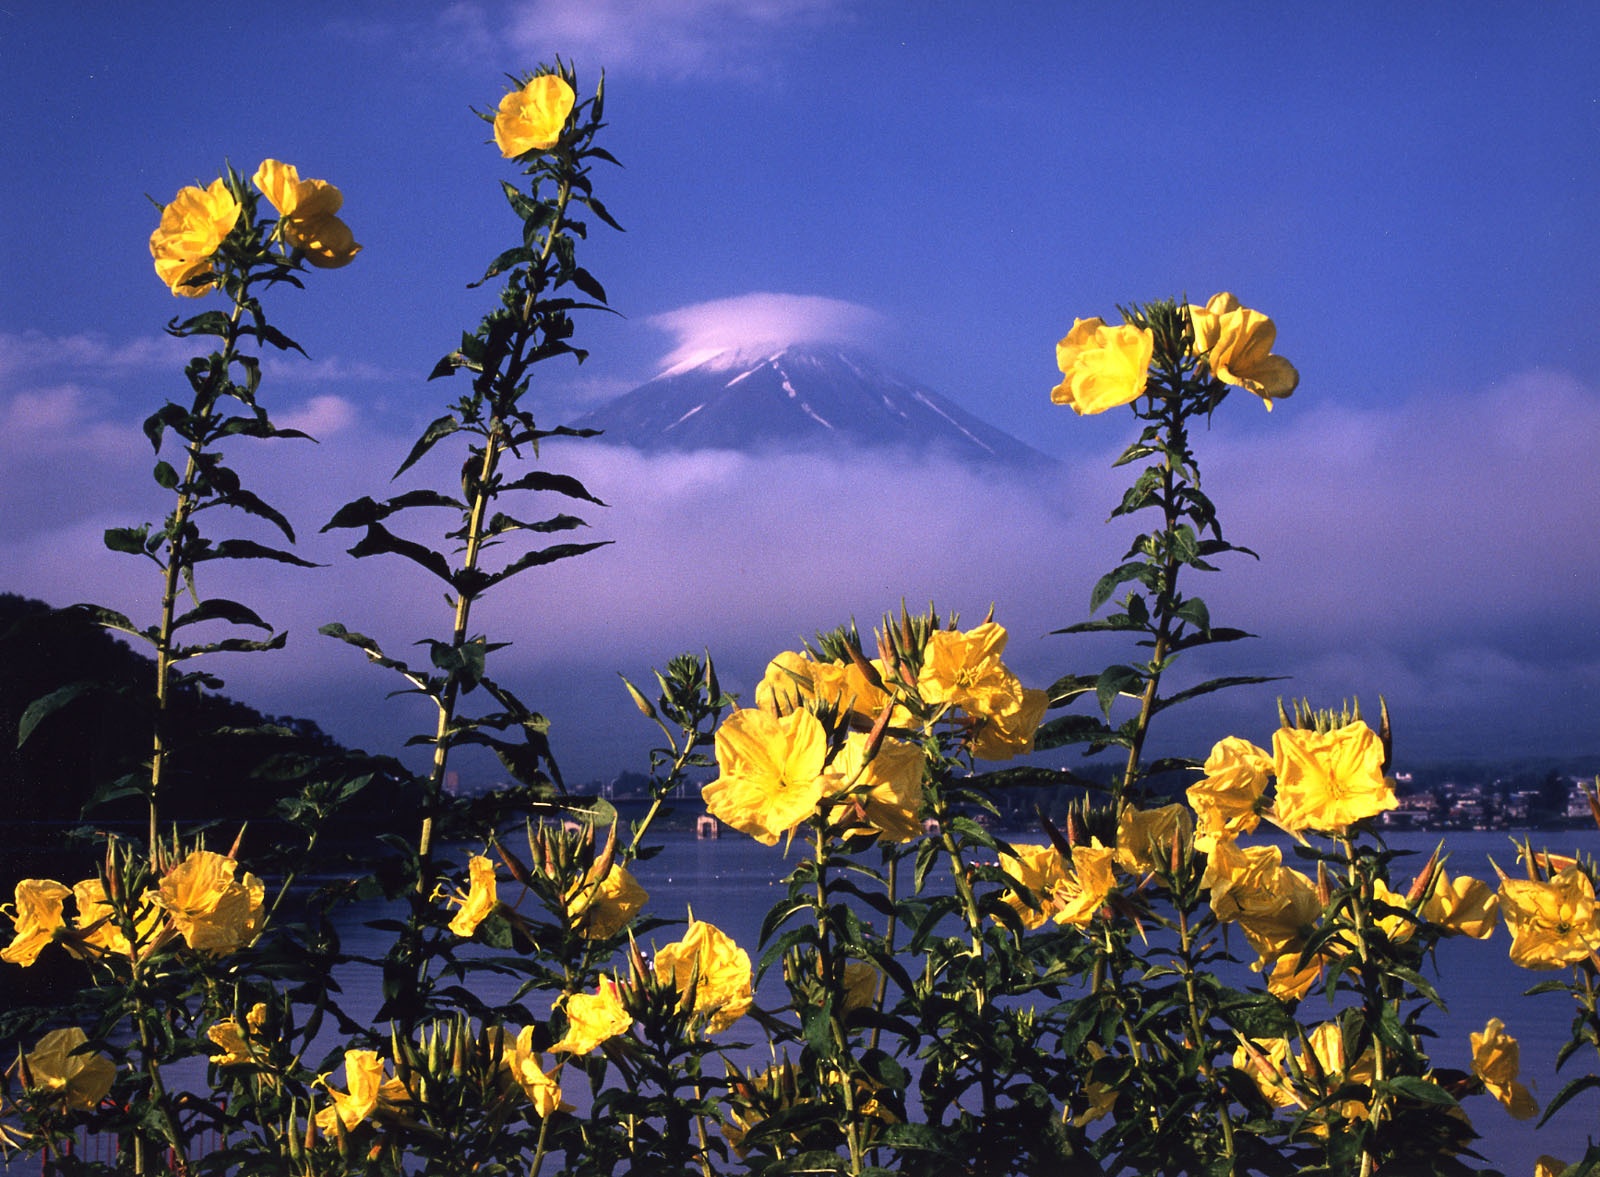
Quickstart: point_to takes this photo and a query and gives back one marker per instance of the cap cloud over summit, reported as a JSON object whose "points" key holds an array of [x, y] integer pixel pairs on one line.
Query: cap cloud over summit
{"points": [[800, 397]]}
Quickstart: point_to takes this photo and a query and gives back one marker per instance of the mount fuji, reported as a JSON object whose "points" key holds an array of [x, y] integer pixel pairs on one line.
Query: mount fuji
{"points": [[801, 397]]}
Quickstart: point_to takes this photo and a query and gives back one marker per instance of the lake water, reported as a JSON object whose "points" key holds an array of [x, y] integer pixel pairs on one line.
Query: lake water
{"points": [[733, 881]]}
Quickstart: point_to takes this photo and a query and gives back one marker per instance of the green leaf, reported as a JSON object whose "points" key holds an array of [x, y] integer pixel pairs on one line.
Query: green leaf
{"points": [[1573, 1087], [586, 282], [127, 539], [380, 539], [1215, 684], [1108, 584], [366, 510], [501, 523], [166, 477], [220, 609], [1115, 681], [1069, 729], [559, 483], [543, 556], [47, 705], [246, 549], [250, 504], [442, 427], [1418, 1089]]}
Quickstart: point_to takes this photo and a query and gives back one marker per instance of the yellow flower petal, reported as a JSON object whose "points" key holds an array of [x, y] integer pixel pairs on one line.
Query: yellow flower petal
{"points": [[1327, 780], [193, 226], [718, 970], [1102, 367], [771, 772], [531, 119], [79, 1079]]}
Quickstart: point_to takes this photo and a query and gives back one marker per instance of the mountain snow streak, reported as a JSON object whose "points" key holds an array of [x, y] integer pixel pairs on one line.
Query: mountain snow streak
{"points": [[798, 399]]}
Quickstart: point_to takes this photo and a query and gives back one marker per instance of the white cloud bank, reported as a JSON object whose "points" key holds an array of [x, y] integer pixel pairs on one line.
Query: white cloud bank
{"points": [[1446, 559]]}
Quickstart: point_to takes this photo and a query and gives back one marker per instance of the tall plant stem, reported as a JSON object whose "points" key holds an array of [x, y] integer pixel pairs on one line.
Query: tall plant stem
{"points": [[1176, 440], [177, 561]]}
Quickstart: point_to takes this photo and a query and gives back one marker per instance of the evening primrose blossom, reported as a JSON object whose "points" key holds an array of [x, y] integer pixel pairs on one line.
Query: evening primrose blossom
{"points": [[306, 217], [1236, 344], [1102, 367], [1496, 1061], [531, 119], [479, 900], [771, 772], [1329, 780], [193, 226]]}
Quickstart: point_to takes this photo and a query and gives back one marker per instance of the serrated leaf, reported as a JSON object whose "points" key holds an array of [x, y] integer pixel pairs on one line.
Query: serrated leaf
{"points": [[440, 427], [380, 539]]}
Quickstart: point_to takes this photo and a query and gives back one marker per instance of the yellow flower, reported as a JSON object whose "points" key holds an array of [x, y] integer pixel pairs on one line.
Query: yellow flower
{"points": [[1549, 1166], [1327, 780], [212, 911], [369, 1092], [37, 917], [603, 909], [1227, 801], [771, 772], [1102, 1096], [1325, 1057], [964, 670], [592, 1018], [1396, 927], [531, 119], [1287, 983], [524, 1066], [1066, 894], [1272, 904], [1010, 733], [481, 898], [78, 1079], [107, 938], [1237, 346], [1496, 1060], [1102, 367], [717, 969], [1463, 905], [193, 226], [306, 217], [1145, 837], [1552, 924], [889, 789]]}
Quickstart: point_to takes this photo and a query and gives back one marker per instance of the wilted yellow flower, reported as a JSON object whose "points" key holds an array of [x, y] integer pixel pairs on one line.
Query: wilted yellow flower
{"points": [[1145, 837], [603, 908], [193, 226], [1227, 801], [1496, 1060], [889, 789], [1067, 894], [792, 678], [94, 909], [213, 911], [227, 1035], [531, 119], [1463, 905], [717, 969], [306, 217], [1327, 780], [1552, 924], [1102, 367], [1326, 1057], [521, 1064], [1102, 1096], [79, 1080], [964, 670], [1272, 904], [1008, 734], [592, 1018], [1266, 1060], [1237, 345], [36, 915], [370, 1093], [1549, 1166], [1288, 983], [860, 984], [481, 898], [771, 772]]}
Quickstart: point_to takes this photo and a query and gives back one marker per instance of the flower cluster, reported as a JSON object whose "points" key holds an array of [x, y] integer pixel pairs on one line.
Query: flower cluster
{"points": [[197, 221], [1103, 367], [199, 899]]}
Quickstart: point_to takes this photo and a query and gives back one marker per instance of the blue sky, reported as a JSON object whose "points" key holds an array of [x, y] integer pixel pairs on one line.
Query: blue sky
{"points": [[1408, 190]]}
